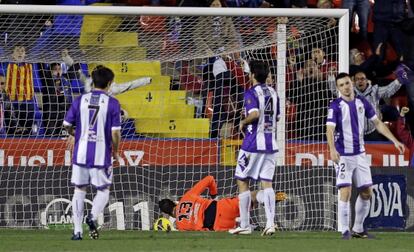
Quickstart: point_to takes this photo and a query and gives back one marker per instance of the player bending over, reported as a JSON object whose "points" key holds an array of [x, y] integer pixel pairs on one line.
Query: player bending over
{"points": [[195, 213], [94, 121]]}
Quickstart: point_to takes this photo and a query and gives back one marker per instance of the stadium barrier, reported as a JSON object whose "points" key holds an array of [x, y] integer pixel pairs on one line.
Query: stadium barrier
{"points": [[40, 197]]}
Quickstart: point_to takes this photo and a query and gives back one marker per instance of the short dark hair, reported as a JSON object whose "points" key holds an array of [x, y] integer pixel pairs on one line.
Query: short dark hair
{"points": [[167, 206], [52, 65], [359, 71], [260, 70], [340, 76], [102, 76]]}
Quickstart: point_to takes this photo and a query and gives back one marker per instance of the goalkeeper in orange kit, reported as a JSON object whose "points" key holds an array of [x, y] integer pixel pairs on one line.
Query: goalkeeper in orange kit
{"points": [[196, 213]]}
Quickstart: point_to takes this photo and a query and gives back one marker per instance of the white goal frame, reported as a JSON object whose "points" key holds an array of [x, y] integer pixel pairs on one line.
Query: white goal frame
{"points": [[341, 14]]}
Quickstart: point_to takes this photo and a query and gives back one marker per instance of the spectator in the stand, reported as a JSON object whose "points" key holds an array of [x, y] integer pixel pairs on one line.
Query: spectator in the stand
{"points": [[311, 94], [408, 29], [373, 94], [248, 3], [8, 119], [362, 9], [214, 34], [326, 67], [219, 36], [405, 75], [20, 89], [372, 66], [387, 18], [403, 134], [57, 98], [288, 3]]}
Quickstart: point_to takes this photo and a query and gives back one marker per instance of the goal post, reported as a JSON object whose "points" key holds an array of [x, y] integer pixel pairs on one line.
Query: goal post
{"points": [[181, 125]]}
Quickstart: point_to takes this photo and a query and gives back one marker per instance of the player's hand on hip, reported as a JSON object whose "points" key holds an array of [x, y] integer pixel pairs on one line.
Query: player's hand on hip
{"points": [[399, 147]]}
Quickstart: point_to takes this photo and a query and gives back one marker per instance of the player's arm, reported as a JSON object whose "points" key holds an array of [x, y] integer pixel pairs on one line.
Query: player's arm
{"points": [[70, 117], [252, 109], [69, 121], [116, 139], [207, 182], [330, 129], [116, 129], [116, 89], [383, 129], [251, 117]]}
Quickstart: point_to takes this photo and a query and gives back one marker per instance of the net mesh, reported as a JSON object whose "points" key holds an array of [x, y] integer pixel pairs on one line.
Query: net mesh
{"points": [[175, 130]]}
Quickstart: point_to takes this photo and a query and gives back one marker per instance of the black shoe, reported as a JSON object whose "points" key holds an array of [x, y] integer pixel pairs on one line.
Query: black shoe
{"points": [[76, 237], [362, 235], [93, 227]]}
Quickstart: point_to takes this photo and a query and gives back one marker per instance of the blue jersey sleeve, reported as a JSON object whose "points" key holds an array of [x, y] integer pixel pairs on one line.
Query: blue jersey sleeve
{"points": [[250, 101], [115, 114], [332, 114], [369, 109], [70, 117]]}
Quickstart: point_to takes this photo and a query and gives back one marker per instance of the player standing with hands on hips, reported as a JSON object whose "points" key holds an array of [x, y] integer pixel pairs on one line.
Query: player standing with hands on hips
{"points": [[94, 121], [257, 157], [345, 136]]}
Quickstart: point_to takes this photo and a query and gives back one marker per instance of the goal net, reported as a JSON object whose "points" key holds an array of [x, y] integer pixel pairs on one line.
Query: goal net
{"points": [[178, 126]]}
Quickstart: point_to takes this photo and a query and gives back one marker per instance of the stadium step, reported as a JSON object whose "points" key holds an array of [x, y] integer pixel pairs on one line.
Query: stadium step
{"points": [[137, 97], [116, 55], [108, 39], [229, 150], [174, 127], [161, 111], [179, 135], [159, 82], [146, 68], [99, 23]]}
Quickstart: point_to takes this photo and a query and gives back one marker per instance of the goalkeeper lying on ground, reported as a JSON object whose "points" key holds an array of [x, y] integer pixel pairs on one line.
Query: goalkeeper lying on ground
{"points": [[195, 213]]}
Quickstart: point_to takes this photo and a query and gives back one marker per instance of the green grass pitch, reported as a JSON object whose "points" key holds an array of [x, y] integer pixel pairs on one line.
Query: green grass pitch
{"points": [[59, 240]]}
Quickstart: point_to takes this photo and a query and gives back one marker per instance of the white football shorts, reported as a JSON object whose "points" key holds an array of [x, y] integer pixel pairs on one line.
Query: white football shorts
{"points": [[256, 166], [353, 169], [99, 178]]}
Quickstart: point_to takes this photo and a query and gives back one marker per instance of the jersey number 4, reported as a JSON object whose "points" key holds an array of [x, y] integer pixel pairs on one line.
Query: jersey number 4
{"points": [[269, 111]]}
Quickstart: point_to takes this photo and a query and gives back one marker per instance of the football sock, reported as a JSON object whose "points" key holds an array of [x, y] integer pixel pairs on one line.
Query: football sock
{"points": [[269, 204], [361, 212], [99, 203], [344, 215], [77, 209], [244, 207], [260, 196]]}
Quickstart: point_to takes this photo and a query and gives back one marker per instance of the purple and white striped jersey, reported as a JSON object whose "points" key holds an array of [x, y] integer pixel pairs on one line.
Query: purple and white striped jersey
{"points": [[348, 119], [94, 115], [260, 136]]}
